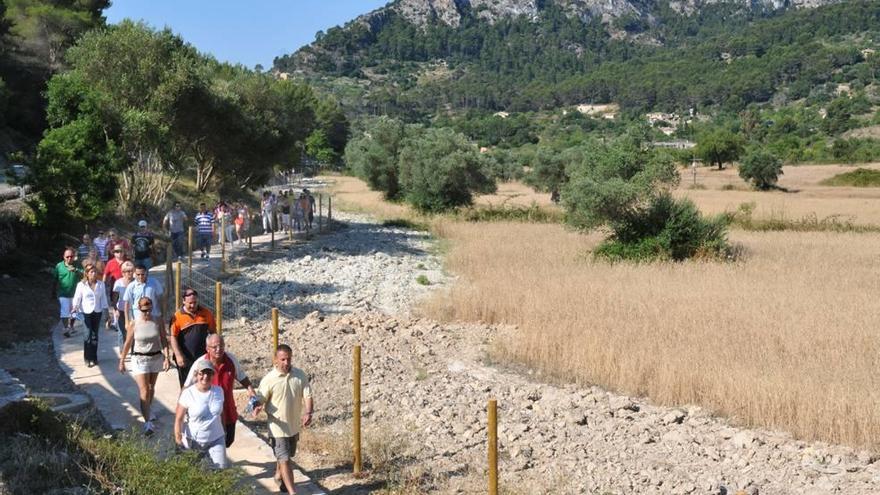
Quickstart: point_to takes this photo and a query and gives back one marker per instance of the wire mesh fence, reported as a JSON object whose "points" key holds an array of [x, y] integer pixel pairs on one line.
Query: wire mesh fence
{"points": [[236, 305]]}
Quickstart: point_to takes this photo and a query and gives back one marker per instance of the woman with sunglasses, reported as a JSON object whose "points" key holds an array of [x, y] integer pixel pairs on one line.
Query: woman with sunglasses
{"points": [[90, 299], [202, 405], [149, 347]]}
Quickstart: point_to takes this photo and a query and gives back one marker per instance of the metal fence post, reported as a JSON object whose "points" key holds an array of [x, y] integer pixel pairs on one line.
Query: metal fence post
{"points": [[274, 329], [169, 275], [329, 209], [493, 447], [356, 409], [320, 213], [218, 306], [177, 268], [223, 244], [190, 241]]}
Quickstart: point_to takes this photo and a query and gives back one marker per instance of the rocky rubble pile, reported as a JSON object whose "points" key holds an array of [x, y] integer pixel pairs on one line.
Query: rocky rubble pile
{"points": [[360, 267], [425, 388]]}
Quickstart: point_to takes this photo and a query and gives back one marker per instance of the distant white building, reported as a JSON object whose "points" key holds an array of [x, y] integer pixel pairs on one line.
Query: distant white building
{"points": [[607, 111], [676, 144]]}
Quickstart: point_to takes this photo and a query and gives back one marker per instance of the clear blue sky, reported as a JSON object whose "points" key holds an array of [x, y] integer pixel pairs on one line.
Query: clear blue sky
{"points": [[245, 32]]}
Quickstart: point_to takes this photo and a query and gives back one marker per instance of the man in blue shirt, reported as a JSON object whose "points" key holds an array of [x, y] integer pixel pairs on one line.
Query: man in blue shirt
{"points": [[205, 227], [143, 286]]}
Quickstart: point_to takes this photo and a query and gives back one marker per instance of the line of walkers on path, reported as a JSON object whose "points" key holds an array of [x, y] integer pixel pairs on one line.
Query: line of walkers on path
{"points": [[206, 412], [287, 211]]}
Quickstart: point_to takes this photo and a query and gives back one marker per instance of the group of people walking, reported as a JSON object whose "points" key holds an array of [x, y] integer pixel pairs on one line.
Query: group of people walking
{"points": [[153, 338], [287, 211]]}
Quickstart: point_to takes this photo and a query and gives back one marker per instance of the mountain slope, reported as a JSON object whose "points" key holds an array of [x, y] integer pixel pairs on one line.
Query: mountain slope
{"points": [[416, 57]]}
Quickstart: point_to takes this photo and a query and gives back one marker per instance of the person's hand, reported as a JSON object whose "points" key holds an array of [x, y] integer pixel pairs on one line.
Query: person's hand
{"points": [[178, 439], [258, 409], [166, 365], [307, 419], [122, 366]]}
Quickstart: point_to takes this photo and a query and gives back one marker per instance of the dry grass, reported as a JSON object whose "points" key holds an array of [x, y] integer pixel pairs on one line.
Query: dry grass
{"points": [[352, 194], [782, 339], [807, 198]]}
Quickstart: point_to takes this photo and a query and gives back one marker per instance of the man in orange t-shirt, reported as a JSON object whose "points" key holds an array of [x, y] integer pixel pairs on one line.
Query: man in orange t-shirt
{"points": [[190, 327]]}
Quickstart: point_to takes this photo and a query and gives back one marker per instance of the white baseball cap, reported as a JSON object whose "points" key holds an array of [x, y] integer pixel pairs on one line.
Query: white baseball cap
{"points": [[142, 223]]}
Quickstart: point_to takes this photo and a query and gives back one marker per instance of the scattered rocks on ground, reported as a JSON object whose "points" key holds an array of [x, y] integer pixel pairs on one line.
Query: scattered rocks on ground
{"points": [[364, 266], [426, 385]]}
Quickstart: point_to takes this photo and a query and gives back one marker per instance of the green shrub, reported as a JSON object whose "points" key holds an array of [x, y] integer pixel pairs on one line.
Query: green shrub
{"points": [[440, 170], [423, 280], [668, 228], [860, 177], [761, 168]]}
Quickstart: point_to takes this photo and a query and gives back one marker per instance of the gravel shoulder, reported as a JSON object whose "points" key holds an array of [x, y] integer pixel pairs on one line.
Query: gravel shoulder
{"points": [[425, 387]]}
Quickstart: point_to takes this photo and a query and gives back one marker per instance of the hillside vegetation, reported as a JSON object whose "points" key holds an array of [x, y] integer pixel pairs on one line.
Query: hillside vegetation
{"points": [[723, 55]]}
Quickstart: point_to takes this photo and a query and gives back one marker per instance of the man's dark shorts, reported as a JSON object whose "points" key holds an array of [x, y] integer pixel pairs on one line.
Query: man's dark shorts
{"points": [[284, 447]]}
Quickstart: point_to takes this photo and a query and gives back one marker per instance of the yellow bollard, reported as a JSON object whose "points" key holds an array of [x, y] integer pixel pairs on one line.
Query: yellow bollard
{"points": [[177, 267], [274, 330], [218, 306], [356, 409], [493, 447], [190, 240]]}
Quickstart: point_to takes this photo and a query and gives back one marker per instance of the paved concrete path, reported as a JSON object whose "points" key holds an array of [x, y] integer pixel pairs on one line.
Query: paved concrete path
{"points": [[116, 396]]}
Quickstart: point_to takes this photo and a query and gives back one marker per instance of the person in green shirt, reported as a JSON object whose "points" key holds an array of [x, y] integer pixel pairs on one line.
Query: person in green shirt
{"points": [[64, 279]]}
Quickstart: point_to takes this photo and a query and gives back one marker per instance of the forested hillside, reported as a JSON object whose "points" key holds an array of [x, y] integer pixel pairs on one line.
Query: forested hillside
{"points": [[34, 35], [723, 55]]}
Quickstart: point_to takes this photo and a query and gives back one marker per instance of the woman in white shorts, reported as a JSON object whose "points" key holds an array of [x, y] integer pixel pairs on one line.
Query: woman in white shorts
{"points": [[202, 405], [149, 348]]}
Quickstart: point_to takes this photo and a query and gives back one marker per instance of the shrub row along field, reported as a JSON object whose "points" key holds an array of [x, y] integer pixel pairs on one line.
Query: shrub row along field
{"points": [[782, 338]]}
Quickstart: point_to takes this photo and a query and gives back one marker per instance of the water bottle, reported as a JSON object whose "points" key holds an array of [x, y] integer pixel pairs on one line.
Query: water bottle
{"points": [[252, 403]]}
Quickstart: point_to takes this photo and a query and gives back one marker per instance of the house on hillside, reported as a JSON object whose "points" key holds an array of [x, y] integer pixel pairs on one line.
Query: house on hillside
{"points": [[675, 144], [606, 111]]}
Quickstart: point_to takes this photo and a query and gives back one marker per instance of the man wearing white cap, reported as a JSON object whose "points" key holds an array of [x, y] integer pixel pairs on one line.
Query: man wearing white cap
{"points": [[142, 242]]}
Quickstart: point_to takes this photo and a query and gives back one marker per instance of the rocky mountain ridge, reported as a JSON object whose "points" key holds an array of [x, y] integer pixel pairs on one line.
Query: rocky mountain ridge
{"points": [[451, 12]]}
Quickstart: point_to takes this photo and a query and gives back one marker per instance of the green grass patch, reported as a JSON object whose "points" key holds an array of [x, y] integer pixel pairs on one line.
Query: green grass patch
{"points": [[423, 280], [404, 223], [860, 177], [527, 214], [43, 451], [744, 219]]}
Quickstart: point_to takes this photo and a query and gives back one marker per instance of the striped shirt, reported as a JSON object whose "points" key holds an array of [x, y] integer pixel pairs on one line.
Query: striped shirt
{"points": [[205, 223]]}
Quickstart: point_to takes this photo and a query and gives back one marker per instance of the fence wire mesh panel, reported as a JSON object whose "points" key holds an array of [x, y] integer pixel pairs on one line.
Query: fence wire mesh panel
{"points": [[238, 307]]}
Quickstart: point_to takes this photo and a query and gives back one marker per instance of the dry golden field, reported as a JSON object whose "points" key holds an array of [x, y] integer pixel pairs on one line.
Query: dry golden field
{"points": [[858, 205], [784, 338]]}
